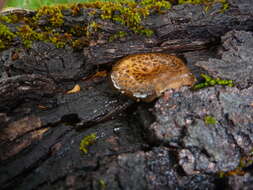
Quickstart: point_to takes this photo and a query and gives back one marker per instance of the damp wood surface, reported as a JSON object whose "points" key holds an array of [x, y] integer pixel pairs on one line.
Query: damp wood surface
{"points": [[165, 144]]}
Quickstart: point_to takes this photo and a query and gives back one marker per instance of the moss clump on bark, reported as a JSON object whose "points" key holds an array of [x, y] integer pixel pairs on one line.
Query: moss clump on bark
{"points": [[127, 13], [48, 23], [87, 141], [6, 36], [210, 120], [209, 81]]}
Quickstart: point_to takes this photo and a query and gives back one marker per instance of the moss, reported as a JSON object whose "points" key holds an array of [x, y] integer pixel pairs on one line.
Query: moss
{"points": [[207, 3], [128, 13], [102, 184], [53, 14], [146, 32], [92, 28], [75, 9], [79, 43], [15, 19], [28, 35], [131, 14], [60, 40], [87, 141], [235, 172], [245, 161], [118, 35], [5, 19], [5, 32], [2, 45], [209, 81], [209, 120], [6, 36]]}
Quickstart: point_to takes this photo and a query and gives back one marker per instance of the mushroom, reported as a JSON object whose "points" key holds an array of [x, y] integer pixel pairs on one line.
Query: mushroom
{"points": [[146, 76]]}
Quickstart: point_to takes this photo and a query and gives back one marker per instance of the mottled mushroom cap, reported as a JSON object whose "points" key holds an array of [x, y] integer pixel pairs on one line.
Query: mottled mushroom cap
{"points": [[146, 76]]}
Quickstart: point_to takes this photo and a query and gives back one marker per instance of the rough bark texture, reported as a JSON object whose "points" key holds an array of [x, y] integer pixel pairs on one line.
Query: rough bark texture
{"points": [[161, 145]]}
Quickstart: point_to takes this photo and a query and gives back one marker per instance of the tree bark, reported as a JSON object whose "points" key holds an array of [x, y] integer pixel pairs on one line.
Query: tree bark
{"points": [[41, 126]]}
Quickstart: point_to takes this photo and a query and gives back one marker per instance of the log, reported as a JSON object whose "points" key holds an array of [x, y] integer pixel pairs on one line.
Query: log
{"points": [[160, 145]]}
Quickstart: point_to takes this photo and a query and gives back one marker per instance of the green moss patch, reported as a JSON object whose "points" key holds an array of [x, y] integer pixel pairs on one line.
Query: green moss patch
{"points": [[6, 36], [48, 23], [209, 81], [87, 141], [127, 13], [209, 120]]}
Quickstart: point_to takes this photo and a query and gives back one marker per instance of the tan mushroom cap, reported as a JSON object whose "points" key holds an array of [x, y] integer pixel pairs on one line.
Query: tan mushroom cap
{"points": [[15, 10], [146, 76]]}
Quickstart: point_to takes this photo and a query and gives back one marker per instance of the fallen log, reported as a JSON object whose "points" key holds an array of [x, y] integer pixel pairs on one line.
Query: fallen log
{"points": [[169, 143]]}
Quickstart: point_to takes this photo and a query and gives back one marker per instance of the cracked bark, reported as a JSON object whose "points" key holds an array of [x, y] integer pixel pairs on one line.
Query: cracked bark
{"points": [[39, 147]]}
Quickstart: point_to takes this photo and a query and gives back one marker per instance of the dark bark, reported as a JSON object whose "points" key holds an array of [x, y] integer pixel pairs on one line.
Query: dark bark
{"points": [[41, 126]]}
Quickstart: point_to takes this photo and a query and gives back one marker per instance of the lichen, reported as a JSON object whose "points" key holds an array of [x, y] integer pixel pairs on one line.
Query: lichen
{"points": [[87, 141], [209, 81]]}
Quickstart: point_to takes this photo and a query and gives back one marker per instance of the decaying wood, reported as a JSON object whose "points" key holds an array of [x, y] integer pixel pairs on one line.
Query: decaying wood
{"points": [[39, 143], [184, 28]]}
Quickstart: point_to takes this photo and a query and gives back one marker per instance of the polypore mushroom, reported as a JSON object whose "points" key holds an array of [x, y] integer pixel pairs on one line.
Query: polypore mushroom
{"points": [[146, 76]]}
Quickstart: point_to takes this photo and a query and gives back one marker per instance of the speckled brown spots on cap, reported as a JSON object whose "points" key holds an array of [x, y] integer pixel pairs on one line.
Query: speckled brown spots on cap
{"points": [[146, 76]]}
